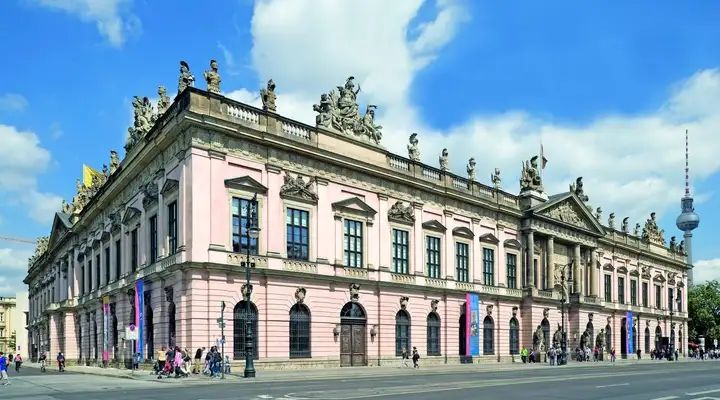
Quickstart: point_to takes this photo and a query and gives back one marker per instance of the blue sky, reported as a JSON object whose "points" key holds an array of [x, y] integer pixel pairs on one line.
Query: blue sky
{"points": [[609, 89]]}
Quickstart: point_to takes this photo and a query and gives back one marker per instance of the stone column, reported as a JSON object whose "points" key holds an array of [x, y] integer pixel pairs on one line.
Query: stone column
{"points": [[593, 273], [551, 261], [530, 256], [576, 270]]}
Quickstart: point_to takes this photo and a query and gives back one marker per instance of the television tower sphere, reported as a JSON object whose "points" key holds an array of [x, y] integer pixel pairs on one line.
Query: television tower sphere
{"points": [[687, 221]]}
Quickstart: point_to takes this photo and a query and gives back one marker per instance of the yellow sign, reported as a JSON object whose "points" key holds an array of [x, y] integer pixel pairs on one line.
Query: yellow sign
{"points": [[88, 174]]}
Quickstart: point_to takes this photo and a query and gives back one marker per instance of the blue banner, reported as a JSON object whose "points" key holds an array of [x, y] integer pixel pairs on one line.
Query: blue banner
{"points": [[140, 315], [472, 309], [630, 336]]}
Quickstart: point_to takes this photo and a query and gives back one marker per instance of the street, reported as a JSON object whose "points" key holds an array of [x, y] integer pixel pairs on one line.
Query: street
{"points": [[651, 381]]}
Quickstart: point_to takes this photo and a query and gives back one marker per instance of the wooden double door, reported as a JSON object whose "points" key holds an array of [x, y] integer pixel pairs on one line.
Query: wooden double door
{"points": [[352, 344]]}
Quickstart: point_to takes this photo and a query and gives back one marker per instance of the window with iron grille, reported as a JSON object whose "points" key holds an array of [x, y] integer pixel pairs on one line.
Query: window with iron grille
{"points": [[353, 246], [402, 332], [633, 292], [297, 226], [514, 334], [488, 267], [172, 210], [644, 294], [134, 250], [241, 220], [462, 262], [433, 334], [658, 296], [608, 288], [511, 260], [679, 300], [488, 336], [299, 331], [432, 249], [98, 271], [153, 233], [621, 290], [118, 259], [401, 251], [107, 265]]}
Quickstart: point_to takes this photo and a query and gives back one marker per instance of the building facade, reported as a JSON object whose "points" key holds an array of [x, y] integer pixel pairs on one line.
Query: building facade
{"points": [[13, 324], [360, 253]]}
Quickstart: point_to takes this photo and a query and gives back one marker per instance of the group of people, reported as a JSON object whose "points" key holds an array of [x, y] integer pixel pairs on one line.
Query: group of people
{"points": [[406, 356], [178, 362]]}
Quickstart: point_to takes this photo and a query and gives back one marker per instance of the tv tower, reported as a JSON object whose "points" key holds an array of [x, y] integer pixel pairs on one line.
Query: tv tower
{"points": [[688, 220]]}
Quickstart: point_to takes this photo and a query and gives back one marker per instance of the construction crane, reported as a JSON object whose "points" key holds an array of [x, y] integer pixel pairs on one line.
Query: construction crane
{"points": [[17, 239]]}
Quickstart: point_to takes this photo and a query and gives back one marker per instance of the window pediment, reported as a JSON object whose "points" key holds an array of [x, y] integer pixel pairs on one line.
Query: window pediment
{"points": [[537, 249], [659, 278], [489, 238], [354, 205], [680, 284], [463, 231], [622, 270], [608, 267], [169, 186], [635, 272], [130, 215], [513, 244], [434, 225], [568, 209], [246, 183]]}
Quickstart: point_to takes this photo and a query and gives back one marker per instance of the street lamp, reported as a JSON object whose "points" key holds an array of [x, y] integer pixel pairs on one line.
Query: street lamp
{"points": [[563, 300], [678, 300], [251, 233]]}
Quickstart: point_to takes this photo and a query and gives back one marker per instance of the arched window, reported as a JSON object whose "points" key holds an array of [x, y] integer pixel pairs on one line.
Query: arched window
{"points": [[647, 340], [402, 332], [240, 320], [488, 336], [433, 334], [299, 331], [608, 339], [658, 337], [462, 335], [514, 336]]}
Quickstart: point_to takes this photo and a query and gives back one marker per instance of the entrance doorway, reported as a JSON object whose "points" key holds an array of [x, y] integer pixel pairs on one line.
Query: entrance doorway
{"points": [[353, 323], [462, 336]]}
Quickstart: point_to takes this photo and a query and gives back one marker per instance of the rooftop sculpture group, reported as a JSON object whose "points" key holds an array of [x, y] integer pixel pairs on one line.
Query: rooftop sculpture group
{"points": [[530, 179], [339, 111]]}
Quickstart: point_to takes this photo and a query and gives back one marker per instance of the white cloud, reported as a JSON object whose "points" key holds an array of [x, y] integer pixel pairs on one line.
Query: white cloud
{"points": [[112, 18], [21, 160], [706, 270], [13, 267], [631, 164], [13, 102]]}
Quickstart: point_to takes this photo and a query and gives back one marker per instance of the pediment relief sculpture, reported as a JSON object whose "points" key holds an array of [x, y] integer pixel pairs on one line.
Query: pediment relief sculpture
{"points": [[339, 111], [401, 213], [645, 271], [651, 233], [434, 225], [567, 213], [513, 244], [463, 231], [298, 188], [150, 193], [489, 238]]}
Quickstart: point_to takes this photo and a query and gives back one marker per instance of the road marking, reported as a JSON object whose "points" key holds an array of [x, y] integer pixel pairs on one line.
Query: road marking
{"points": [[702, 393], [667, 398], [617, 384]]}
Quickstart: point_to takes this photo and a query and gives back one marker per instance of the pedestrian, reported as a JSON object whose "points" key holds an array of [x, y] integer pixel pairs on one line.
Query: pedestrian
{"points": [[405, 357], [18, 362], [198, 357], [415, 358], [3, 369]]}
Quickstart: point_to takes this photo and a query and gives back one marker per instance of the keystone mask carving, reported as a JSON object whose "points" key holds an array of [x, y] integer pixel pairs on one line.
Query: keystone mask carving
{"points": [[246, 291], [300, 295], [546, 312], [404, 302], [169, 294], [434, 305], [354, 292], [489, 309]]}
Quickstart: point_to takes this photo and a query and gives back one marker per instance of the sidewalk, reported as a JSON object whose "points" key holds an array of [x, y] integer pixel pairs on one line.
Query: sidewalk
{"points": [[335, 373]]}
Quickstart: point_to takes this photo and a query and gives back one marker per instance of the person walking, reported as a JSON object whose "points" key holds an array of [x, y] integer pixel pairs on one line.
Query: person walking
{"points": [[3, 369]]}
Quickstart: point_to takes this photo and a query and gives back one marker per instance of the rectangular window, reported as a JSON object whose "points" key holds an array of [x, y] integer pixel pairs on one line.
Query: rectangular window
{"points": [[679, 300], [107, 265], [81, 279], [353, 246], [90, 277], [401, 251], [658, 296], [118, 259], [297, 224], [241, 219], [621, 290], [608, 288], [511, 260], [536, 283], [633, 292], [488, 267], [462, 261], [671, 300], [134, 250], [172, 210], [644, 294], [432, 249], [98, 275], [153, 232]]}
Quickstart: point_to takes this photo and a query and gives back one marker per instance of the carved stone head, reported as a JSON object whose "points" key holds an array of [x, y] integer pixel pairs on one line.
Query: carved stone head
{"points": [[169, 294], [354, 292], [300, 295], [546, 312], [590, 317], [404, 302], [489, 309], [246, 291], [514, 311], [434, 304]]}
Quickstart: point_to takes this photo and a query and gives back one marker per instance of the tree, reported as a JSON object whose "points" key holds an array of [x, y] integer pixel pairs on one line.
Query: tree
{"points": [[13, 341], [704, 310]]}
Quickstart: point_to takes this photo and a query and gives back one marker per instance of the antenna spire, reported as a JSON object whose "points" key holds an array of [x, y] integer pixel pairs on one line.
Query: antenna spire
{"points": [[687, 165]]}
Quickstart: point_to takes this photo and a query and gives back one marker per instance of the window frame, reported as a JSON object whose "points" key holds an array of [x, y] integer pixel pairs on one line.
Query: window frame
{"points": [[152, 231], [433, 256], [511, 269], [172, 226], [397, 249], [488, 277], [461, 269], [352, 238], [290, 212]]}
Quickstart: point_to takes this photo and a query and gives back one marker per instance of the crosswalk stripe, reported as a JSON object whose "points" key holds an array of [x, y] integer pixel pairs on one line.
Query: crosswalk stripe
{"points": [[702, 393]]}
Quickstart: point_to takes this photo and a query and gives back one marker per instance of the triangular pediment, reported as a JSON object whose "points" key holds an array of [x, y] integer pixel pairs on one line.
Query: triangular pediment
{"points": [[61, 226], [622, 270], [246, 183], [354, 205], [170, 185], [463, 231], [131, 213], [489, 238], [434, 225], [635, 273], [659, 278], [512, 243], [608, 267], [568, 209]]}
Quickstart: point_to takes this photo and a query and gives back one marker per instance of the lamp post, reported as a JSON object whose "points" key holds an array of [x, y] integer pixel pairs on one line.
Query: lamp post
{"points": [[672, 329], [563, 300], [222, 338], [251, 233]]}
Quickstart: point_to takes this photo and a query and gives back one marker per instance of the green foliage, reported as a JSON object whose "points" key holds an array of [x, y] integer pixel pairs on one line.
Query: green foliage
{"points": [[13, 341], [704, 309]]}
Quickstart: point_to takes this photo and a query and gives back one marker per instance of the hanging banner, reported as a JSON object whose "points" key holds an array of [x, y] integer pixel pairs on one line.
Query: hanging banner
{"points": [[630, 336], [472, 324], [140, 316], [106, 325]]}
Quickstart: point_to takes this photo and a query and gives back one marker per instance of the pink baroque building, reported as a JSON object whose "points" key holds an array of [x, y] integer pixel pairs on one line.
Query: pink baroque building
{"points": [[360, 253]]}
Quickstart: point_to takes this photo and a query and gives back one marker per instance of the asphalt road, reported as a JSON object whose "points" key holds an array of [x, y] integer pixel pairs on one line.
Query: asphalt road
{"points": [[661, 381]]}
